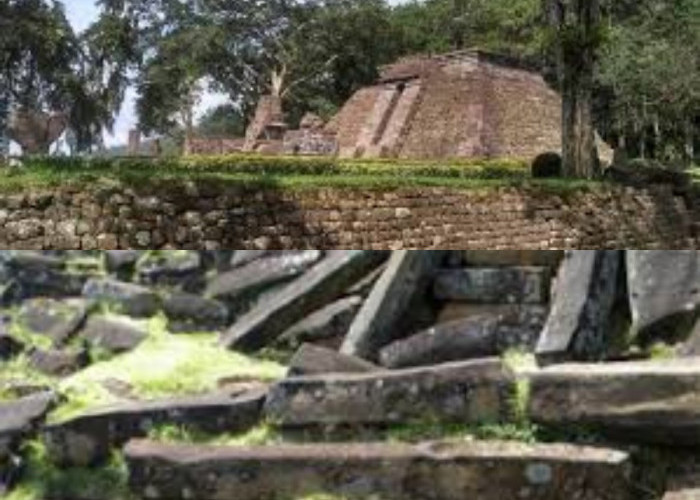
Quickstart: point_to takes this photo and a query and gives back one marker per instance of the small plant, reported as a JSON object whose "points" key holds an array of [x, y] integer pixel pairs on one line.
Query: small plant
{"points": [[260, 435]]}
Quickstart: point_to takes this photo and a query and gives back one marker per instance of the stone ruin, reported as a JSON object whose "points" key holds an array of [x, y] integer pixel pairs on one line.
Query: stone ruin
{"points": [[384, 339], [468, 104]]}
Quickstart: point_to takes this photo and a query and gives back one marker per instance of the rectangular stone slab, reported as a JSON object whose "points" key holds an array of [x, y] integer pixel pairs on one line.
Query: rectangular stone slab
{"points": [[494, 285], [89, 439], [655, 402], [390, 471], [464, 392], [322, 284]]}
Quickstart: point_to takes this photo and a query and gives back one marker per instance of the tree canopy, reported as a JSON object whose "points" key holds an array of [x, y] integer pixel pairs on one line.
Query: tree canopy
{"points": [[644, 66]]}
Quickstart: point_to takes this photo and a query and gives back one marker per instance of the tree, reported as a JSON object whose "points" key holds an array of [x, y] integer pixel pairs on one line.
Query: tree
{"points": [[576, 36], [222, 121], [650, 68], [44, 70]]}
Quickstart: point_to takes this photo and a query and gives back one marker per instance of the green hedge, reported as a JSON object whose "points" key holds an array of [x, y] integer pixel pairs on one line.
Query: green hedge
{"points": [[283, 166]]}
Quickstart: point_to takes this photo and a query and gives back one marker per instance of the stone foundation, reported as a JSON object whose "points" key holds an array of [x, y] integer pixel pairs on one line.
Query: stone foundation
{"points": [[198, 215]]}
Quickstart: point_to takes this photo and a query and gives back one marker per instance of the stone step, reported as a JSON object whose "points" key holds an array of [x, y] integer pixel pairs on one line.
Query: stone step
{"points": [[494, 285], [464, 392], [390, 471], [90, 438], [653, 402]]}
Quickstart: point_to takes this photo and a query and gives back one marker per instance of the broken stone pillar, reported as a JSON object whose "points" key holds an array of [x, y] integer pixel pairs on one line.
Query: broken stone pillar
{"points": [[407, 277], [390, 471], [581, 323]]}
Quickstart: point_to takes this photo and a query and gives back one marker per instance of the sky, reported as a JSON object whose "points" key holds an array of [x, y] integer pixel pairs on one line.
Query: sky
{"points": [[81, 14]]}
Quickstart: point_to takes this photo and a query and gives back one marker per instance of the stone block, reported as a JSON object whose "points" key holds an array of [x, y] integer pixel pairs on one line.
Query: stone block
{"points": [[649, 402], [465, 392], [496, 285], [390, 471]]}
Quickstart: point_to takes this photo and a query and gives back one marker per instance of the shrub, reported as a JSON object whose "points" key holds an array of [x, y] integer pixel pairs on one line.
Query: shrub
{"points": [[547, 166]]}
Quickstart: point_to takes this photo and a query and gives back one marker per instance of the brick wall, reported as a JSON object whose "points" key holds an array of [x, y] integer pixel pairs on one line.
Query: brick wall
{"points": [[214, 215]]}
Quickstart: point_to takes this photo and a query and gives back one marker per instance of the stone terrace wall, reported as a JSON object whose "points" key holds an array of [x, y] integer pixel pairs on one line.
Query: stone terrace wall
{"points": [[206, 215]]}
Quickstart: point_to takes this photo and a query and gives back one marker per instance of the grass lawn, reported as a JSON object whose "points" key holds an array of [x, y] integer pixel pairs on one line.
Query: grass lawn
{"points": [[281, 172]]}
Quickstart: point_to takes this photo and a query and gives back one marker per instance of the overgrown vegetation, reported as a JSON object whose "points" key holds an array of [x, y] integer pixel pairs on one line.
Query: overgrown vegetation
{"points": [[280, 172], [163, 365], [43, 479]]}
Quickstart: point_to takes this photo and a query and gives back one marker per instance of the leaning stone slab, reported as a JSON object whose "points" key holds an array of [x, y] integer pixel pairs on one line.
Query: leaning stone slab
{"points": [[320, 285], [580, 325], [253, 276], [655, 402], [494, 285], [466, 392], [89, 439], [664, 290], [328, 324], [313, 360], [408, 274], [133, 300], [473, 337], [390, 471]]}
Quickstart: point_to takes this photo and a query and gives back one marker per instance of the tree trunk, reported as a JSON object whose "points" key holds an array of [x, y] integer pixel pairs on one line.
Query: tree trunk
{"points": [[689, 141], [576, 23]]}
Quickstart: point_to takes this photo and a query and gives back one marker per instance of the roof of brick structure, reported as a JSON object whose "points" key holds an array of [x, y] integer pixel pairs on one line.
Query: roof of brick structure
{"points": [[458, 105]]}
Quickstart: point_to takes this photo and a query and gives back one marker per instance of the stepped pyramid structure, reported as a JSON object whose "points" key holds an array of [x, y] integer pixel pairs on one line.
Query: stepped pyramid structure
{"points": [[459, 105]]}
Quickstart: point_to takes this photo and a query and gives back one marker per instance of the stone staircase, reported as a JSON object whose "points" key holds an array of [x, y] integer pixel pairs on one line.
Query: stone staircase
{"points": [[483, 282]]}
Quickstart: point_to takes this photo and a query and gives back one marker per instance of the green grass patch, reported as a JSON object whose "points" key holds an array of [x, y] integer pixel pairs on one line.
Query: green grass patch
{"points": [[433, 431], [261, 435], [163, 365], [257, 171]]}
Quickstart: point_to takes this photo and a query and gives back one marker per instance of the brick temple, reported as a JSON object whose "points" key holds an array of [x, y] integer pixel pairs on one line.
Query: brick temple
{"points": [[468, 104]]}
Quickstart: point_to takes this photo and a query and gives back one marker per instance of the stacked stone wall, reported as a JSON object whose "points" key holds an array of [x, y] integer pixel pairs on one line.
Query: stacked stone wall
{"points": [[209, 215]]}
